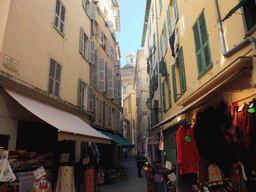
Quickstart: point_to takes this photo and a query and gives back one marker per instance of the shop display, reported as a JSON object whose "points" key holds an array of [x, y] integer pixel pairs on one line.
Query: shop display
{"points": [[42, 185], [65, 182]]}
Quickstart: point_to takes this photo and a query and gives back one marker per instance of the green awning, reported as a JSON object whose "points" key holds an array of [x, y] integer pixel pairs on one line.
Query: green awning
{"points": [[121, 141], [234, 9]]}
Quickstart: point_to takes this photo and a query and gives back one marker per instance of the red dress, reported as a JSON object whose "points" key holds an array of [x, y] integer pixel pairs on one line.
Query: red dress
{"points": [[187, 153]]}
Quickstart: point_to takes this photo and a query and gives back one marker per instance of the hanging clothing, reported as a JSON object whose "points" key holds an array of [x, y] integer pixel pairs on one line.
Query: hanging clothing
{"points": [[242, 121], [66, 181], [187, 153], [215, 175]]}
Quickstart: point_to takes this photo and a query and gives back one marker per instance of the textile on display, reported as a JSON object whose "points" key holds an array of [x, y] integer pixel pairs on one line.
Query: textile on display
{"points": [[66, 182]]}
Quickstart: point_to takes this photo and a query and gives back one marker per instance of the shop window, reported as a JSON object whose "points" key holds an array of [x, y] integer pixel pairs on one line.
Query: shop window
{"points": [[60, 12], [202, 45], [54, 78], [249, 15]]}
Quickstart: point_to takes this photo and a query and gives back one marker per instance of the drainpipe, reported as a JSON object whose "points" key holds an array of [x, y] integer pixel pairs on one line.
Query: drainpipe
{"points": [[241, 45]]}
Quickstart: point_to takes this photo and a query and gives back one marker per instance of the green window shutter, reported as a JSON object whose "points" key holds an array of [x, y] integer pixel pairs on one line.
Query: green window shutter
{"points": [[165, 38], [169, 22], [175, 95], [183, 85], [202, 46], [164, 101], [160, 4], [175, 9], [169, 90], [161, 47]]}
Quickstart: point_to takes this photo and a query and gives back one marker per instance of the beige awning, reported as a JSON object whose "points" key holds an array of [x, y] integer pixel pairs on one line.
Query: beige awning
{"points": [[70, 126]]}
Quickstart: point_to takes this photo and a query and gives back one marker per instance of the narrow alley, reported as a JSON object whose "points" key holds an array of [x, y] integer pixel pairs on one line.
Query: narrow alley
{"points": [[129, 182]]}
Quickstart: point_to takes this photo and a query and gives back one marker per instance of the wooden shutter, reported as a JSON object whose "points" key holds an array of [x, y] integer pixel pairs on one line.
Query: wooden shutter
{"points": [[90, 99], [93, 8], [165, 38], [116, 91], [87, 48], [183, 86], [175, 10], [164, 98], [100, 110], [119, 95], [100, 35], [160, 4], [101, 76], [202, 46], [96, 68], [57, 80], [81, 42], [169, 90], [161, 47], [110, 84], [109, 116], [175, 95], [108, 47], [92, 51], [60, 12], [169, 22], [51, 76], [117, 120]]}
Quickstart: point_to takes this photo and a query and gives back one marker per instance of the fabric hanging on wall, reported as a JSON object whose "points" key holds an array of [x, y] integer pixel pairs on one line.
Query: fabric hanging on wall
{"points": [[66, 181]]}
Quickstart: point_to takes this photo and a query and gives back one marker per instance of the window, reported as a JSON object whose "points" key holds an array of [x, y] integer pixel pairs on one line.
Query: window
{"points": [[100, 112], [84, 44], [160, 5], [90, 9], [54, 78], [202, 46], [164, 97], [82, 95], [131, 60], [169, 22], [175, 10], [179, 66], [110, 87], [124, 90], [249, 14], [165, 37], [161, 47], [101, 74], [60, 11]]}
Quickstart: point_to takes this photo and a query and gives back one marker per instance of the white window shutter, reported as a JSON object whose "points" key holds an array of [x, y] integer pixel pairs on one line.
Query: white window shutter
{"points": [[96, 68], [110, 84], [88, 10], [93, 28], [119, 95], [90, 99], [84, 4], [87, 49], [115, 92], [108, 47], [100, 35], [92, 51], [100, 110], [81, 42], [85, 96], [79, 93], [93, 11], [101, 75]]}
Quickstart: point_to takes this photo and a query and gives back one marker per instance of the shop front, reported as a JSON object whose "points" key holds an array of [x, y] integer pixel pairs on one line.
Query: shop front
{"points": [[213, 148], [38, 136]]}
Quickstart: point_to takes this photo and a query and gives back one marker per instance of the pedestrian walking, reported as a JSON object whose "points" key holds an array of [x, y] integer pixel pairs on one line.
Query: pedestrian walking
{"points": [[140, 163]]}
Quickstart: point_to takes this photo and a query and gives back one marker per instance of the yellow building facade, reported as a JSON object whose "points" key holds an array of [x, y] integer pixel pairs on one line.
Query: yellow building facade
{"points": [[206, 55], [51, 54]]}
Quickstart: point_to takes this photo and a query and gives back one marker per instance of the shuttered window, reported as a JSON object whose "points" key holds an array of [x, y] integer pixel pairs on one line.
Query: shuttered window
{"points": [[100, 112], [60, 12], [169, 90], [164, 97], [84, 46], [110, 86], [169, 23], [91, 51], [95, 69], [175, 10], [174, 85], [82, 95], [54, 78], [101, 74], [161, 47], [183, 86], [90, 99], [165, 37], [160, 5], [202, 46]]}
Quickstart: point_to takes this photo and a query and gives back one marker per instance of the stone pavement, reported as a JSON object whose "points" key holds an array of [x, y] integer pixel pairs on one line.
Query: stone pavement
{"points": [[130, 182]]}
